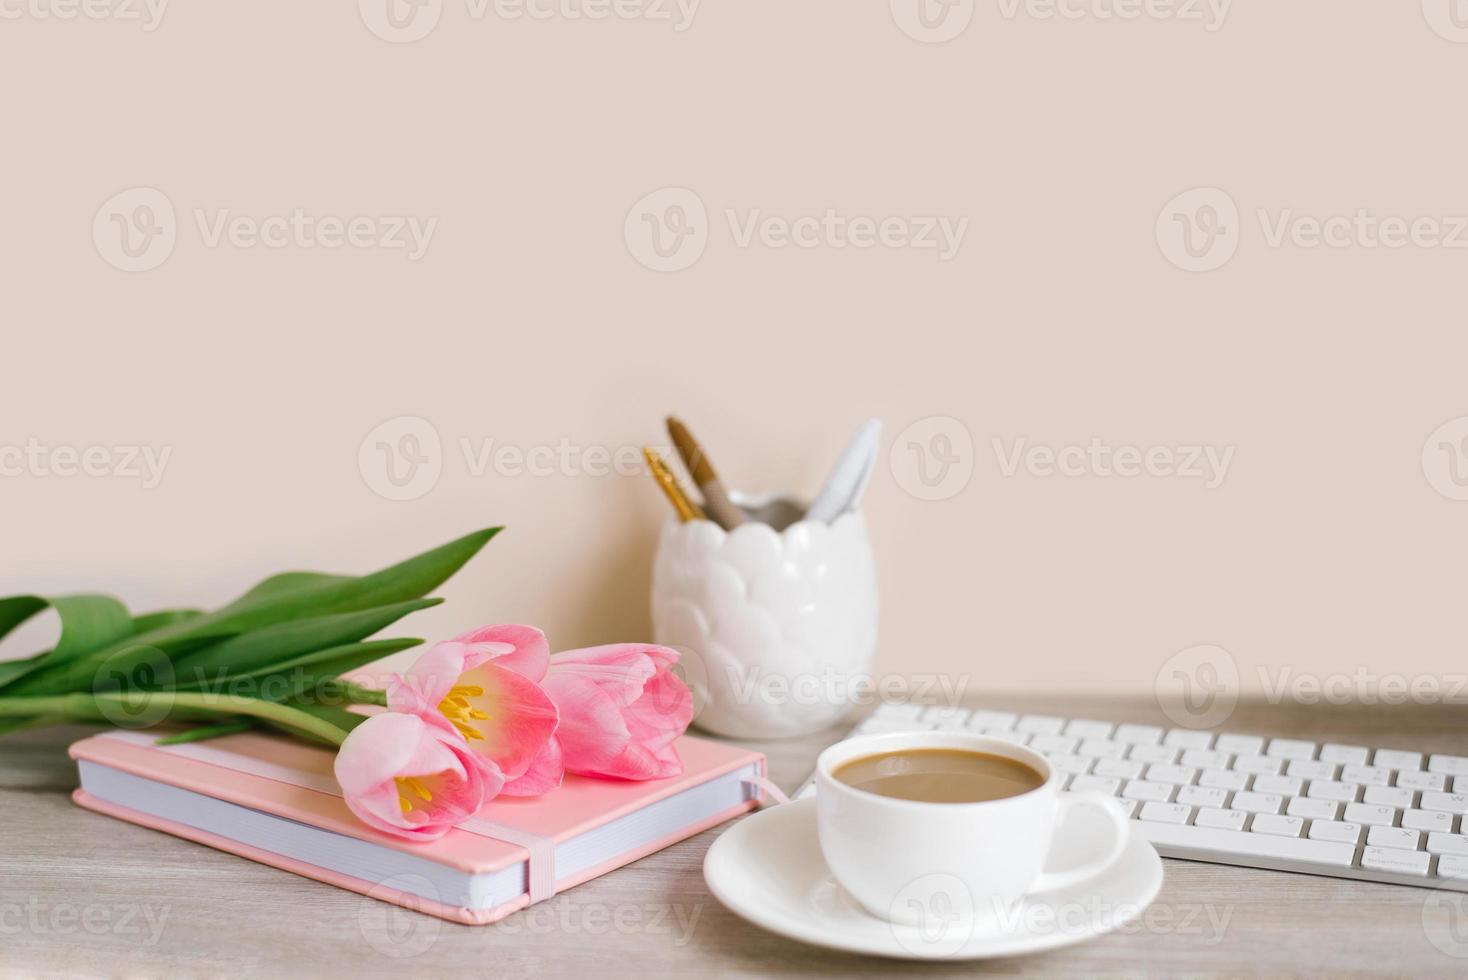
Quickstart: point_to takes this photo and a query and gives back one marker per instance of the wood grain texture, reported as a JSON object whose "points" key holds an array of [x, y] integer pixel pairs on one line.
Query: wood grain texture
{"points": [[83, 895]]}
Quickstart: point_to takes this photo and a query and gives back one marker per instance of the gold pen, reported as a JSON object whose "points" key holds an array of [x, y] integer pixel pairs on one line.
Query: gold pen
{"points": [[715, 497], [687, 509]]}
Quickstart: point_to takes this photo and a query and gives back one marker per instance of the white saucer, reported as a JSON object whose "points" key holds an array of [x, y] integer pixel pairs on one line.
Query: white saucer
{"points": [[768, 869]]}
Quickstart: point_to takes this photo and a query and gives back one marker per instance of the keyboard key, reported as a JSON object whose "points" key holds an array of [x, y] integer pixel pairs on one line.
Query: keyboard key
{"points": [[1301, 806], [1451, 765], [1186, 738], [1268, 823], [1202, 796], [1008, 735], [1332, 830], [1077, 764], [1054, 744], [1310, 769], [1237, 847], [1392, 759], [1222, 819], [991, 719], [900, 710], [1355, 755], [1257, 802], [1138, 734], [1128, 807], [1223, 779], [1422, 780], [1141, 789], [1324, 789], [957, 723], [1279, 785], [1366, 775], [1040, 725], [1427, 820], [1393, 860], [1082, 728], [1205, 758], [877, 725], [1153, 753], [940, 713], [1166, 812], [1447, 843], [1373, 816], [1388, 796], [1095, 784], [1449, 802], [1180, 775], [1289, 748], [1450, 866], [1240, 744], [1407, 840], [1258, 764], [1100, 748], [1118, 768]]}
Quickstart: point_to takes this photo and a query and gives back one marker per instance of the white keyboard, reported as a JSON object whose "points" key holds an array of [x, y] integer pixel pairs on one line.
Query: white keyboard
{"points": [[1259, 802]]}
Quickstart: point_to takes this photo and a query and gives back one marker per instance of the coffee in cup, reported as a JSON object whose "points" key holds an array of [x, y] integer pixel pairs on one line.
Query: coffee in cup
{"points": [[935, 775]]}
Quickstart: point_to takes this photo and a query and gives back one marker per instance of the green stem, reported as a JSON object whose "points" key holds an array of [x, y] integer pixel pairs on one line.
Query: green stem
{"points": [[207, 732], [88, 707], [357, 694], [20, 707]]}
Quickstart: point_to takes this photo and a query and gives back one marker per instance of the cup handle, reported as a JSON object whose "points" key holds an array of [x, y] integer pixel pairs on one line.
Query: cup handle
{"points": [[1051, 880]]}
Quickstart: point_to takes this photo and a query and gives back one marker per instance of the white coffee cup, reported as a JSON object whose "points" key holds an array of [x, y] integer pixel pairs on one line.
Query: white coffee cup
{"points": [[905, 860]]}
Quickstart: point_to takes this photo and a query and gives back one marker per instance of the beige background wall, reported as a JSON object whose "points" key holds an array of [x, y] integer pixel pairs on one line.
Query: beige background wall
{"points": [[531, 318]]}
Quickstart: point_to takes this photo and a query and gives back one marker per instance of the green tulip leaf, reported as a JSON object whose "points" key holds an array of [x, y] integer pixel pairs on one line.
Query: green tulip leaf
{"points": [[292, 599], [88, 623]]}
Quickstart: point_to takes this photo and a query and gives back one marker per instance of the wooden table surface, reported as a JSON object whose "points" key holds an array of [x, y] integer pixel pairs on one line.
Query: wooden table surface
{"points": [[83, 895]]}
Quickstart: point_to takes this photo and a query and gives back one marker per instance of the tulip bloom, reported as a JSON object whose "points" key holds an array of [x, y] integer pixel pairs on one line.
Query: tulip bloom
{"points": [[403, 776], [621, 708], [481, 686]]}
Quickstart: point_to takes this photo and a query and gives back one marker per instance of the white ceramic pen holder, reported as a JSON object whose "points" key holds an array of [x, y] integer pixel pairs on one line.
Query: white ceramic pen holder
{"points": [[777, 628]]}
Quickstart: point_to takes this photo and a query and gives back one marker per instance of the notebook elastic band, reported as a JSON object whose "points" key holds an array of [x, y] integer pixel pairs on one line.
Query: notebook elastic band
{"points": [[540, 867], [762, 783]]}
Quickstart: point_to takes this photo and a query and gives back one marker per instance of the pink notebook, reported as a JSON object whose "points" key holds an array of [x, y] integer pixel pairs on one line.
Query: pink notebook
{"points": [[275, 801]]}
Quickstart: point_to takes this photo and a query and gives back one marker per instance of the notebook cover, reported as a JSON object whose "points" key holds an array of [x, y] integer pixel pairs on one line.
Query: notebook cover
{"points": [[579, 805]]}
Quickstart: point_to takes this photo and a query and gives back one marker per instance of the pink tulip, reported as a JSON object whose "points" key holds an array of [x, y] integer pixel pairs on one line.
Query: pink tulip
{"points": [[406, 777], [621, 710], [482, 687]]}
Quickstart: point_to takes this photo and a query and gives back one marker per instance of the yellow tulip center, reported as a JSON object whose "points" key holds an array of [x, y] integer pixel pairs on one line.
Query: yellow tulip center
{"points": [[457, 709], [410, 790]]}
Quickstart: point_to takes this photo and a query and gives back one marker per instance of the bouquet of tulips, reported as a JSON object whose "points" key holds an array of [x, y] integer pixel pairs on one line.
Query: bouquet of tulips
{"points": [[489, 712]]}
